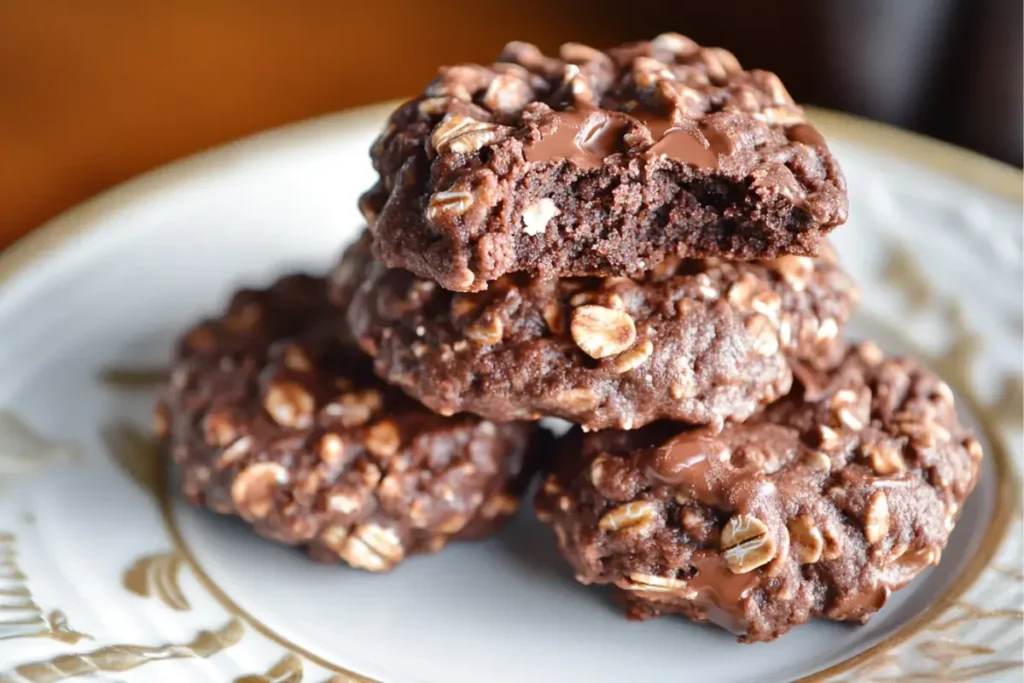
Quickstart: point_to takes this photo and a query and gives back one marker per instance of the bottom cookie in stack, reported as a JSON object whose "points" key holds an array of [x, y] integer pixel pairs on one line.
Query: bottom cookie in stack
{"points": [[821, 506], [269, 416]]}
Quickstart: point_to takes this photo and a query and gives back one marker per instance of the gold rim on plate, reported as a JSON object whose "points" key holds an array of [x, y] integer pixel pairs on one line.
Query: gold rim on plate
{"points": [[975, 169]]}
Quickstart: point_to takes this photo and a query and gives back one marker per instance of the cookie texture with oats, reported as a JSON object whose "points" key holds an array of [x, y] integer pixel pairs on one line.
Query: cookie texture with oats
{"points": [[598, 163], [270, 416], [821, 506], [700, 341]]}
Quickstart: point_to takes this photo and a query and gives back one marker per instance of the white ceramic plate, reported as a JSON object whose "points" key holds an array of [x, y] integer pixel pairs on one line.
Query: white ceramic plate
{"points": [[105, 572]]}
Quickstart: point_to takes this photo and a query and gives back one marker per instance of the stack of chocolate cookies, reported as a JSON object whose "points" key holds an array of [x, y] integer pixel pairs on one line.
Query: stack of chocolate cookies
{"points": [[632, 240]]}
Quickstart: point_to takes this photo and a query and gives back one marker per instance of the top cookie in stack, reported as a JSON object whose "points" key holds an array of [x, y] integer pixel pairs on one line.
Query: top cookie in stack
{"points": [[612, 238], [598, 163]]}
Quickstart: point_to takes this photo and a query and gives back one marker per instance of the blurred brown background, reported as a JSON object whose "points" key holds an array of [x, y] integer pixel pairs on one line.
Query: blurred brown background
{"points": [[94, 92]]}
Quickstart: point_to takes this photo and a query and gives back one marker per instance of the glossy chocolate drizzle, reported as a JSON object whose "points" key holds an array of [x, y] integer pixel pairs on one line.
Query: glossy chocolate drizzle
{"points": [[585, 137], [685, 461], [807, 134], [701, 464], [686, 147], [708, 466], [720, 592], [588, 135]]}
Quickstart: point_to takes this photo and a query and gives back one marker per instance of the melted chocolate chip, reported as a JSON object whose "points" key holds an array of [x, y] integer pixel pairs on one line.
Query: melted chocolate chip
{"points": [[686, 147], [639, 152], [807, 134]]}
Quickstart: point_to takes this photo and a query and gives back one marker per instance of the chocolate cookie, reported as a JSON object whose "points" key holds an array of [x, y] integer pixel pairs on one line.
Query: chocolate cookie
{"points": [[270, 417], [699, 341], [821, 506], [598, 163]]}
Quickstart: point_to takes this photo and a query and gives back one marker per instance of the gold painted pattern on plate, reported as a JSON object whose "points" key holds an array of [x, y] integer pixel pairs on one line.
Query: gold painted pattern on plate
{"points": [[136, 452], [157, 575], [20, 614], [129, 379], [903, 272], [289, 669], [25, 452], [943, 649], [121, 658]]}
